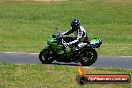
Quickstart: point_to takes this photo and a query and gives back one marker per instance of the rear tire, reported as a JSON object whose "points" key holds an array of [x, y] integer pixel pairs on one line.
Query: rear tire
{"points": [[88, 57], [46, 56]]}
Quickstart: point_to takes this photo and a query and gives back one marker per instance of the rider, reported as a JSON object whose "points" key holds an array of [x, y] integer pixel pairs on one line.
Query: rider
{"points": [[80, 35]]}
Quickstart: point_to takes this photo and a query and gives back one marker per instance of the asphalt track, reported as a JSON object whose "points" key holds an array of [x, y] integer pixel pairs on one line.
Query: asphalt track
{"points": [[102, 61]]}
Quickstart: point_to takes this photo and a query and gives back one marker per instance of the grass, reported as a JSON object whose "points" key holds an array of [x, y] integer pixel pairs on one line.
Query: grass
{"points": [[25, 26], [52, 76]]}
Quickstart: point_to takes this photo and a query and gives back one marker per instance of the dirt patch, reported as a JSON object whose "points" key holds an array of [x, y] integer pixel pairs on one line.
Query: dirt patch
{"points": [[48, 0], [119, 1], [113, 1], [32, 0], [44, 0]]}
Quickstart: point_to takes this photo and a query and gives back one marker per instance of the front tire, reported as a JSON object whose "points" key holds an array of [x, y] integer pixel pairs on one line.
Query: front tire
{"points": [[46, 56], [88, 57]]}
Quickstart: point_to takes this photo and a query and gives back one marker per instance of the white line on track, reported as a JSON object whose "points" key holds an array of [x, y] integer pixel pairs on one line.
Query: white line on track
{"points": [[18, 53], [116, 44], [38, 53]]}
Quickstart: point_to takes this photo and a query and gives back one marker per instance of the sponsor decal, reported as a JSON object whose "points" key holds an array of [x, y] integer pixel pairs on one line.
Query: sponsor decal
{"points": [[83, 78]]}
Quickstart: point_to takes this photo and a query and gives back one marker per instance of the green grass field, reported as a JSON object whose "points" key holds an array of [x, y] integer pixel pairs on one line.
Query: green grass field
{"points": [[52, 76], [25, 26]]}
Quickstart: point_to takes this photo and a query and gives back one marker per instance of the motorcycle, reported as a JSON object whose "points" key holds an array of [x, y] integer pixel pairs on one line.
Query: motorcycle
{"points": [[55, 50]]}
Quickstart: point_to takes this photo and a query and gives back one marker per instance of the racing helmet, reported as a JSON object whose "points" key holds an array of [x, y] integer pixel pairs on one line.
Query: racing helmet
{"points": [[75, 24]]}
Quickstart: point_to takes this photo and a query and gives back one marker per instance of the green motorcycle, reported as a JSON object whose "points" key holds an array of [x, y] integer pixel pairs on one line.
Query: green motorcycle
{"points": [[55, 50]]}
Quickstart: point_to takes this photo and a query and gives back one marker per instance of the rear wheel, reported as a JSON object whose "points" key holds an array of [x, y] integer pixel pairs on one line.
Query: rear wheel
{"points": [[88, 57], [46, 56]]}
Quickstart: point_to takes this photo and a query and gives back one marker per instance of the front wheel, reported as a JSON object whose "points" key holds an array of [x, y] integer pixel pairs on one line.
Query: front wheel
{"points": [[88, 57], [46, 56]]}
